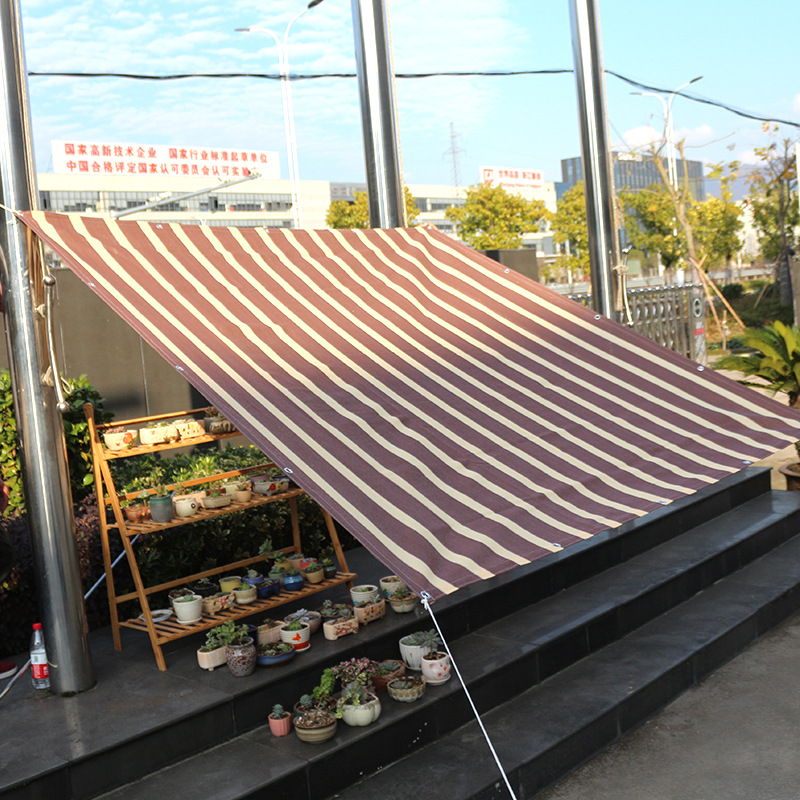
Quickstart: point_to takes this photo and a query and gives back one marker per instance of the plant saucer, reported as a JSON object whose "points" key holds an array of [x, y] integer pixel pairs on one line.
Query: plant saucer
{"points": [[189, 621], [159, 614]]}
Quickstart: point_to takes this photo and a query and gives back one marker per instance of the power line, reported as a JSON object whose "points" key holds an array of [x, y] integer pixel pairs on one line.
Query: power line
{"points": [[409, 75]]}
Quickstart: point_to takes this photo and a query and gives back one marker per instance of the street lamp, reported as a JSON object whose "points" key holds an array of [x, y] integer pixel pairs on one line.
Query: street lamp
{"points": [[672, 164], [288, 111]]}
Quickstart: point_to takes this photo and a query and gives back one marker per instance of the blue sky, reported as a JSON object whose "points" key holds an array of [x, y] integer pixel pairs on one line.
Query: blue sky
{"points": [[747, 60]]}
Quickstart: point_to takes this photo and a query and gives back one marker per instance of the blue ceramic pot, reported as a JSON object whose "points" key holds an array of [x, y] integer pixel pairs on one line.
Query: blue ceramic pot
{"points": [[292, 583], [266, 589], [274, 661], [161, 508]]}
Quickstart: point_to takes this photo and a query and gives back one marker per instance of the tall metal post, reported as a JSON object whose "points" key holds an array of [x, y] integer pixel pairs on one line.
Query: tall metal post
{"points": [[39, 426], [378, 114], [597, 169]]}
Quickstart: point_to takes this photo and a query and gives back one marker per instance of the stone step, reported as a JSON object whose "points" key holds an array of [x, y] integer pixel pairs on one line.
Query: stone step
{"points": [[507, 657]]}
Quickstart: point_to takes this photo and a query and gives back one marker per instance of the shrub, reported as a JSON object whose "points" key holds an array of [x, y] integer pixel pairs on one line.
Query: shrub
{"points": [[732, 291]]}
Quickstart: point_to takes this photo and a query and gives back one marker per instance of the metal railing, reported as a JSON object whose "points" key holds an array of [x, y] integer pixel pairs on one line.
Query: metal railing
{"points": [[661, 313]]}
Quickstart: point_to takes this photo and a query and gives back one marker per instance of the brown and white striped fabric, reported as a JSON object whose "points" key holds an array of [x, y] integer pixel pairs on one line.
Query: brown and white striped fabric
{"points": [[456, 417]]}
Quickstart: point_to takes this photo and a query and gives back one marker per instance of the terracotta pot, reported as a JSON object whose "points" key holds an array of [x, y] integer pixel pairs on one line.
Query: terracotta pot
{"points": [[364, 714], [241, 658], [282, 726], [137, 513], [243, 496], [381, 681], [211, 659], [436, 670]]}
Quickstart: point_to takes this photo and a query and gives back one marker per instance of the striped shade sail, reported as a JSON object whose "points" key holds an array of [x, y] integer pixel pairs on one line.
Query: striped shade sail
{"points": [[456, 417]]}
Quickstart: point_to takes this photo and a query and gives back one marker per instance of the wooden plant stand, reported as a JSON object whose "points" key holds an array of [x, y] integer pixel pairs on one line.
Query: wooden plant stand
{"points": [[162, 632]]}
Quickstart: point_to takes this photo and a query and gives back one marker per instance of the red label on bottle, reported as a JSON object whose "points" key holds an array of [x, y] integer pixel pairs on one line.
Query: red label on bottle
{"points": [[40, 671]]}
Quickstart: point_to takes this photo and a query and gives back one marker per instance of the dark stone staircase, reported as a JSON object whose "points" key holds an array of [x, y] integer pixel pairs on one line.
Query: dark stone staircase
{"points": [[562, 657]]}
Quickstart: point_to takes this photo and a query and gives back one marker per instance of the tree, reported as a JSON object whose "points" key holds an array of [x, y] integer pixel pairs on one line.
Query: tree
{"points": [[773, 200], [650, 223], [491, 218], [569, 225], [717, 221], [342, 214]]}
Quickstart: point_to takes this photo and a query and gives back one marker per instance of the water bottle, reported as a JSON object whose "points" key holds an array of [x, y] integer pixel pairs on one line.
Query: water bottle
{"points": [[40, 672]]}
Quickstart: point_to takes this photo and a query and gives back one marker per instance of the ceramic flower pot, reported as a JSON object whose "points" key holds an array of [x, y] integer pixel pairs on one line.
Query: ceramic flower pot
{"points": [[218, 602], [158, 434], [176, 593], [380, 682], [188, 609], [329, 571], [137, 513], [216, 502], [230, 583], [190, 428], [403, 605], [211, 659], [120, 441], [412, 654], [245, 595], [436, 669], [390, 584], [205, 589], [241, 658], [186, 506], [293, 583], [243, 496], [274, 659], [161, 508], [269, 632], [365, 591], [299, 639], [370, 612], [296, 562], [281, 726], [363, 714], [312, 618], [253, 580], [267, 589], [341, 626], [315, 735], [317, 576], [406, 690]]}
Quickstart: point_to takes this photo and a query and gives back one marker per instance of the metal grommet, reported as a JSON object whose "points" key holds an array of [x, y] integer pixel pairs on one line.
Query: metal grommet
{"points": [[598, 316], [506, 271], [700, 369], [288, 470], [747, 462]]}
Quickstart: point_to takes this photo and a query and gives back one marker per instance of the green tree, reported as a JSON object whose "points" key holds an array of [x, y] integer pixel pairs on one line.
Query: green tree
{"points": [[491, 218], [569, 225], [717, 221], [773, 199], [650, 224], [342, 214]]}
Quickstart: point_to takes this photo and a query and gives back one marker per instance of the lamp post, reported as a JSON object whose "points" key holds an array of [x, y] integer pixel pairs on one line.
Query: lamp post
{"points": [[288, 111], [672, 162]]}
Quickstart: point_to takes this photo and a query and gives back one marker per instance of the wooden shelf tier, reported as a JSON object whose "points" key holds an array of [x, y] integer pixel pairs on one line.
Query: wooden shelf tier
{"points": [[171, 629]]}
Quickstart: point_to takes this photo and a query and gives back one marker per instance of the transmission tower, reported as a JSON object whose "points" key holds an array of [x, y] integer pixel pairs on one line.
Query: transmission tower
{"points": [[453, 152]]}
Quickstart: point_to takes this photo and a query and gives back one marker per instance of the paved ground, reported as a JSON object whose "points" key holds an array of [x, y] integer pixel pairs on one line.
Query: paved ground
{"points": [[734, 737]]}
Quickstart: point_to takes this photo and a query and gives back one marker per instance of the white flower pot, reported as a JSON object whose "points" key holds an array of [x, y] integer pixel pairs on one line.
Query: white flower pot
{"points": [[361, 715], [185, 506], [437, 670], [298, 639], [211, 659], [390, 584], [188, 609], [370, 592], [412, 654]]}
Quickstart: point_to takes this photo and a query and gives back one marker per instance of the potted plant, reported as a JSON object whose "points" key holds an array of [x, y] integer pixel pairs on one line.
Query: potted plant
{"points": [[313, 618], [280, 721], [331, 610], [340, 626], [252, 577], [361, 669], [436, 667], [390, 584], [365, 592], [403, 600], [217, 602], [161, 507], [269, 631], [315, 726], [212, 653], [415, 645], [240, 652], [313, 572], [322, 692], [230, 583], [274, 654], [296, 633], [367, 611], [387, 671], [158, 433], [243, 492], [276, 573], [406, 689], [295, 561], [292, 580], [205, 587], [328, 568], [268, 588], [188, 609], [215, 497], [189, 428], [181, 591], [118, 437], [135, 510], [245, 594], [358, 705]]}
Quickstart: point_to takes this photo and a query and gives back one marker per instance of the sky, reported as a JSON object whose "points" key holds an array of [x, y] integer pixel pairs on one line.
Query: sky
{"points": [[747, 60]]}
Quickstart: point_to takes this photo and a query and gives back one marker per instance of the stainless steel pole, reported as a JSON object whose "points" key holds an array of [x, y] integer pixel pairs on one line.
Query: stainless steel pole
{"points": [[39, 426], [597, 170], [378, 114]]}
